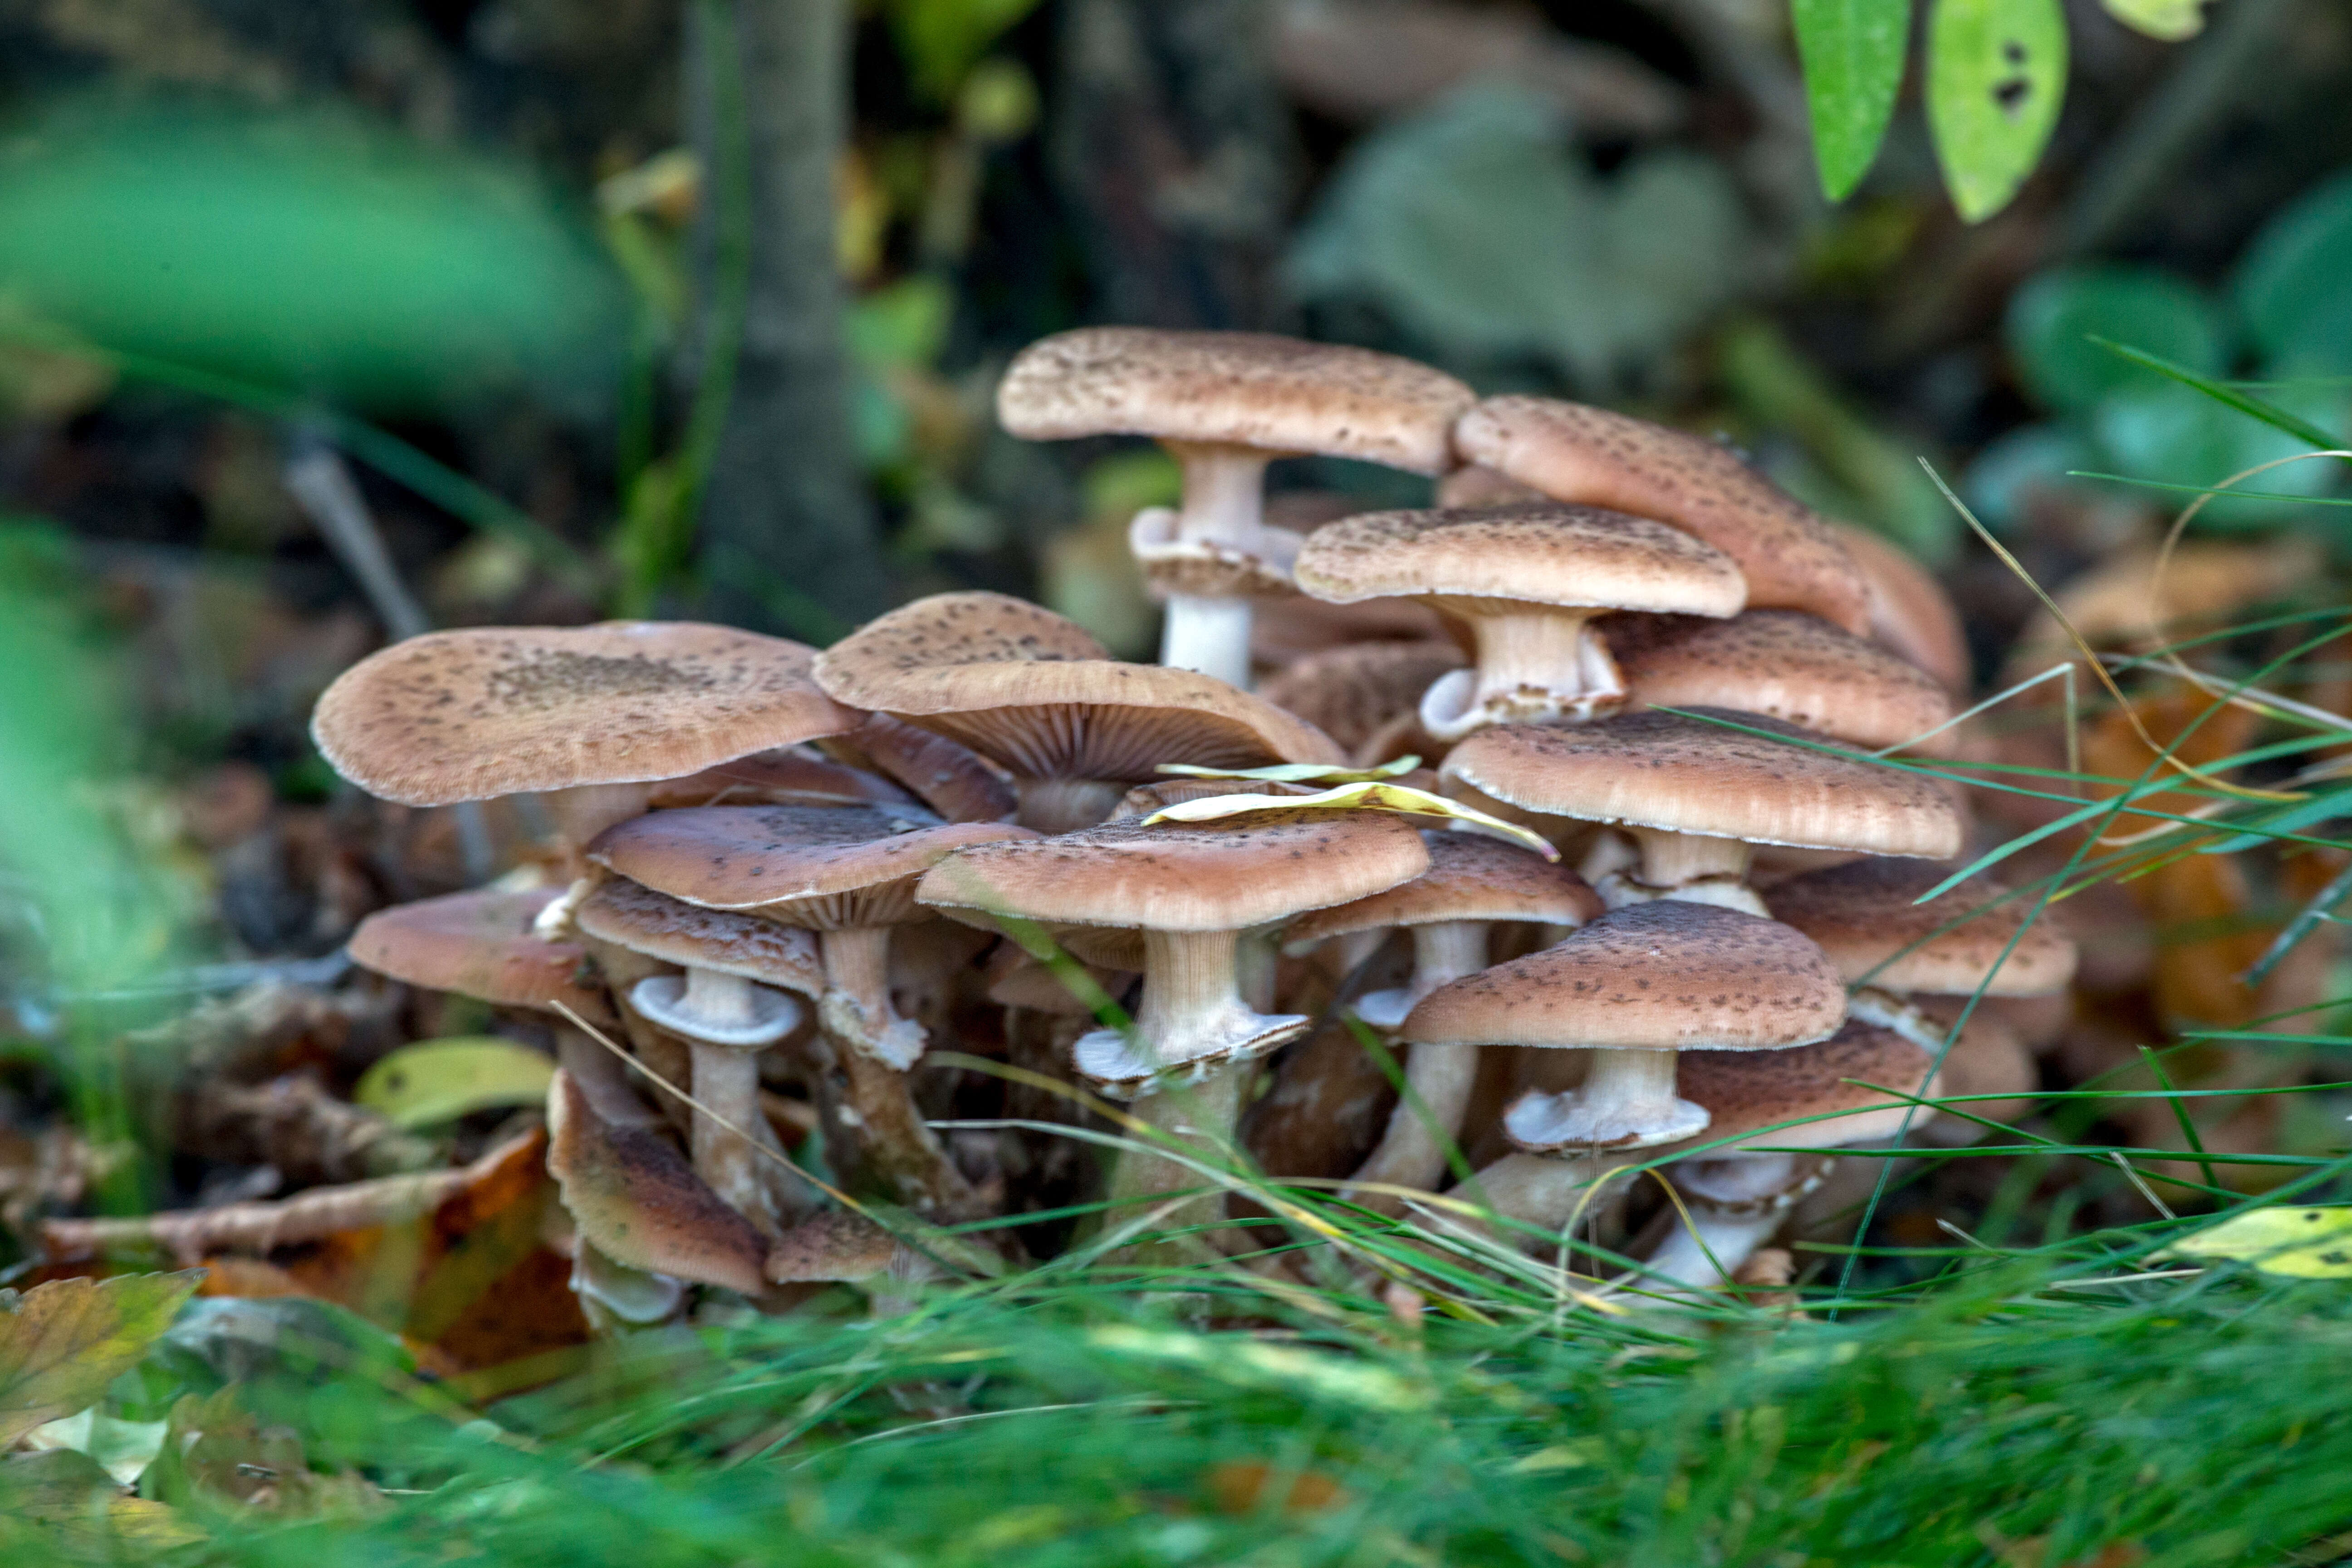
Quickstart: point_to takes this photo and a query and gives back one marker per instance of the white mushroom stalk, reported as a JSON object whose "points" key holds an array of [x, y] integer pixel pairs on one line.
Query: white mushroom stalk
{"points": [[1223, 518], [1441, 1076], [1698, 868], [1536, 664], [726, 1021], [875, 1050], [1736, 1201], [1627, 1101]]}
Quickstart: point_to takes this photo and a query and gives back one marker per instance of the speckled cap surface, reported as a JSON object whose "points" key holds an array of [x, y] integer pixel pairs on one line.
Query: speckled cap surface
{"points": [[1865, 917], [1353, 693], [1663, 976], [1469, 879], [1034, 694], [1784, 664], [1910, 613], [818, 867], [1242, 389], [786, 775], [655, 924], [1791, 557], [1229, 876], [1545, 553], [493, 711], [637, 1201], [1687, 775], [1746, 1090], [481, 944]]}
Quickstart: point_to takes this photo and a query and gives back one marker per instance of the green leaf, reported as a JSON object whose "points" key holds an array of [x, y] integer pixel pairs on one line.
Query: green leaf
{"points": [[2303, 1243], [2054, 318], [942, 40], [2171, 20], [439, 1081], [64, 1341], [1852, 52], [2269, 414], [1996, 77], [2292, 286]]}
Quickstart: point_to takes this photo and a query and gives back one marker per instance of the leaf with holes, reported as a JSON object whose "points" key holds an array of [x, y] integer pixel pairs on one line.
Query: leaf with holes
{"points": [[1852, 52], [64, 1341], [1996, 77], [2306, 1243]]}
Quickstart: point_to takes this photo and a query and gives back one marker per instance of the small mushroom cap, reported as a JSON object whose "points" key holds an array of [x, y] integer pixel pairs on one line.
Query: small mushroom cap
{"points": [[1353, 693], [1469, 879], [692, 937], [1241, 872], [1784, 664], [824, 868], [831, 1245], [1746, 1090], [1016, 980], [1663, 976], [1242, 389], [637, 1201], [1866, 916], [1545, 552], [1789, 554], [786, 775], [493, 711], [1474, 484], [1034, 694], [950, 779], [1687, 775], [481, 944], [1910, 614]]}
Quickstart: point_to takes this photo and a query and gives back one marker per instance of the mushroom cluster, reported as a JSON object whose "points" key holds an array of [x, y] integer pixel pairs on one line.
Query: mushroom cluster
{"points": [[1574, 806]]}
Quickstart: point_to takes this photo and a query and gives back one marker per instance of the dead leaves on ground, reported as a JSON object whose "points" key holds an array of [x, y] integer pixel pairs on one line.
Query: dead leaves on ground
{"points": [[62, 1343]]}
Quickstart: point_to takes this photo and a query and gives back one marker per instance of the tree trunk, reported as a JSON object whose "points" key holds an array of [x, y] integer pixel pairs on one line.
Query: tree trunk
{"points": [[788, 537]]}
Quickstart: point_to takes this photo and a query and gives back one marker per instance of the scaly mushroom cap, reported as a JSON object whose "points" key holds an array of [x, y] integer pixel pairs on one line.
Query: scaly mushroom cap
{"points": [[636, 1200], [1242, 389], [787, 775], [1744, 1091], [1910, 614], [481, 944], [949, 778], [1789, 554], [493, 711], [1687, 775], [1230, 876], [1662, 976], [821, 867], [1866, 916], [831, 1245], [1785, 665], [643, 920], [1545, 554], [1353, 693], [1469, 879], [1036, 694]]}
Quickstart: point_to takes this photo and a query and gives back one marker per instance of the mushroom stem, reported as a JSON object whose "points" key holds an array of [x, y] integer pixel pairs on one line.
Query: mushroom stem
{"points": [[717, 997], [1696, 868], [1410, 1152], [1225, 504], [1210, 636], [1627, 1101], [1736, 1202], [1065, 805], [1534, 664], [727, 1085], [584, 811], [1200, 1115], [1542, 1189], [897, 1147]]}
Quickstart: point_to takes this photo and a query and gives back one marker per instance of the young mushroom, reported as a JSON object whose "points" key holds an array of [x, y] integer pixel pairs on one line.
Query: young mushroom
{"points": [[1785, 665], [484, 944], [589, 717], [1038, 696], [734, 1002], [848, 874], [1192, 892], [1471, 883], [1528, 580], [1911, 616], [1226, 405], [1790, 555], [1698, 795]]}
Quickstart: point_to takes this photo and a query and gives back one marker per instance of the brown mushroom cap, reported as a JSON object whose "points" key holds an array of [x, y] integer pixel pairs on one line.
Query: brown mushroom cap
{"points": [[786, 775], [1469, 879], [1746, 1090], [1790, 557], [1353, 693], [1864, 915], [1663, 976], [493, 711], [1545, 553], [1242, 389], [1910, 613], [1784, 664], [1242, 872], [655, 924], [822, 867], [481, 944], [1687, 775], [637, 1201], [832, 1244], [949, 778], [1282, 630], [1016, 980], [1034, 693]]}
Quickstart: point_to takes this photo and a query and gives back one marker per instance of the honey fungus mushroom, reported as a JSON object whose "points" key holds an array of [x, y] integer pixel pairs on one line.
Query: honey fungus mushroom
{"points": [[1224, 405]]}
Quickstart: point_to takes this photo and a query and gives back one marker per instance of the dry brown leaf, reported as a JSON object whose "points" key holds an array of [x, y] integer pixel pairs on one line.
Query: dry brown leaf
{"points": [[62, 1343]]}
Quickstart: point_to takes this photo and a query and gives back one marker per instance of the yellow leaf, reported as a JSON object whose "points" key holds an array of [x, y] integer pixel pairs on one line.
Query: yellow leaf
{"points": [[1301, 773], [2303, 1243], [440, 1081], [1362, 797], [64, 1341]]}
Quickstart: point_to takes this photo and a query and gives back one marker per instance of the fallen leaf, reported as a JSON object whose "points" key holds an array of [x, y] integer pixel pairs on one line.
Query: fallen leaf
{"points": [[2302, 1243], [64, 1341], [122, 1449], [217, 1448], [1239, 1486], [440, 1081], [71, 1494], [1366, 795], [1301, 773]]}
